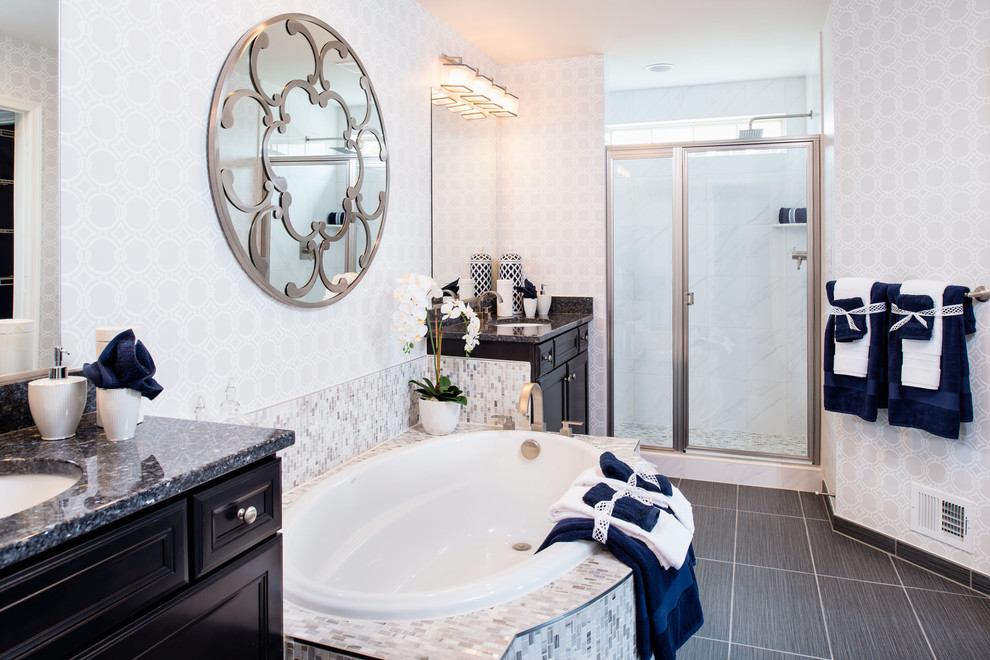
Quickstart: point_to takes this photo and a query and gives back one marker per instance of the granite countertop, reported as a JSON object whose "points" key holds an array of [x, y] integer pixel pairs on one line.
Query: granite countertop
{"points": [[167, 457], [565, 313], [490, 630]]}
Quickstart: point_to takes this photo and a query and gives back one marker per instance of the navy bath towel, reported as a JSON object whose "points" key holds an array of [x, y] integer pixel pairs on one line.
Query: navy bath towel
{"points": [[941, 411], [125, 362], [792, 216], [626, 508], [913, 328], [844, 330], [849, 394], [668, 607], [613, 468]]}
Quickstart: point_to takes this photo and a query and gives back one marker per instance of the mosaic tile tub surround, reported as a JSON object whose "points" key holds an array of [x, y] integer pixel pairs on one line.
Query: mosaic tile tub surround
{"points": [[490, 632], [340, 422]]}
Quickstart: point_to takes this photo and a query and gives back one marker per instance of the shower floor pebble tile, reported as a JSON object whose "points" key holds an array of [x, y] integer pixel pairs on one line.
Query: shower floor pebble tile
{"points": [[487, 633]]}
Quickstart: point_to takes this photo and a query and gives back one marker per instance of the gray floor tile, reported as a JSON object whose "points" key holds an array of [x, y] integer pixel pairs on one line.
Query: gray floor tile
{"points": [[778, 610], [698, 648], [750, 653], [709, 493], [957, 626], [769, 500], [874, 621], [839, 556], [715, 587], [714, 533], [772, 541], [814, 506], [919, 578]]}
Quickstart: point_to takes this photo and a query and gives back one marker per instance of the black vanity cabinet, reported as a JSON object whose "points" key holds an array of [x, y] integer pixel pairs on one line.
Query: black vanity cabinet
{"points": [[558, 363], [196, 576]]}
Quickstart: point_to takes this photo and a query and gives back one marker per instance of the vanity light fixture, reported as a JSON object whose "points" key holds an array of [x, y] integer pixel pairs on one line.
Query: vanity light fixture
{"points": [[473, 95]]}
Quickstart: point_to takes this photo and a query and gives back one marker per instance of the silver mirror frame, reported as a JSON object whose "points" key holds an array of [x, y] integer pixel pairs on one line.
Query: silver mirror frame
{"points": [[254, 40]]}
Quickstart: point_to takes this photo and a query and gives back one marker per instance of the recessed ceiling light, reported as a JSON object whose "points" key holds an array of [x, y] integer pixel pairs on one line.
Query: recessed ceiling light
{"points": [[660, 67]]}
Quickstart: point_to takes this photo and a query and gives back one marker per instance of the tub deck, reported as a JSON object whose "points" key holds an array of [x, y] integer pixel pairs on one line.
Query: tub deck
{"points": [[485, 633]]}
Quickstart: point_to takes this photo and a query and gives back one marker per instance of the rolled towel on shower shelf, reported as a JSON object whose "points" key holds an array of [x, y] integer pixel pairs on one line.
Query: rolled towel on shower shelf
{"points": [[646, 478], [792, 216], [676, 501], [914, 326], [849, 327], [625, 508]]}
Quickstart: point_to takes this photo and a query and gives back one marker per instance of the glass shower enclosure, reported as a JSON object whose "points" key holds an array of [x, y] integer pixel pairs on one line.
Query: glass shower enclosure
{"points": [[713, 254]]}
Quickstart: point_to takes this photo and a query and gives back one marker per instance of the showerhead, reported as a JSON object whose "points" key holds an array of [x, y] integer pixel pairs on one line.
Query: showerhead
{"points": [[751, 133]]}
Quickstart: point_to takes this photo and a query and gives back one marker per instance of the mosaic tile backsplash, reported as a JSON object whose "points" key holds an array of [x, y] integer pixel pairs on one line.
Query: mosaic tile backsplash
{"points": [[338, 423]]}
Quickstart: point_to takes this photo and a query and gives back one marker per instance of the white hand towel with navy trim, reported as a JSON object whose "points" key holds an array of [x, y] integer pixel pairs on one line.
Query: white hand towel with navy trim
{"points": [[921, 365], [852, 358], [676, 501], [668, 540]]}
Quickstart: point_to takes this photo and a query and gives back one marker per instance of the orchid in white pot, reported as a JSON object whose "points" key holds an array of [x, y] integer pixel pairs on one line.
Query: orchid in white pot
{"points": [[440, 400]]}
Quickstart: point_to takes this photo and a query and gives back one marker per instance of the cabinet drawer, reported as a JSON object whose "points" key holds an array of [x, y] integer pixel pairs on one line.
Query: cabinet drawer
{"points": [[566, 346], [78, 595], [544, 359], [221, 515]]}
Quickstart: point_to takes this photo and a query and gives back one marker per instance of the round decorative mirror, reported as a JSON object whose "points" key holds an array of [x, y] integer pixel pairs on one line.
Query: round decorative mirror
{"points": [[297, 160]]}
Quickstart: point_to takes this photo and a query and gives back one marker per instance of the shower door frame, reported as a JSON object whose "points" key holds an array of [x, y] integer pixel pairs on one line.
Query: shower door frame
{"points": [[678, 152]]}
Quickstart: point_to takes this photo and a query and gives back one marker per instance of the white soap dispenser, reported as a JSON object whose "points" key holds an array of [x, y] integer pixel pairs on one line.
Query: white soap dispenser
{"points": [[57, 402]]}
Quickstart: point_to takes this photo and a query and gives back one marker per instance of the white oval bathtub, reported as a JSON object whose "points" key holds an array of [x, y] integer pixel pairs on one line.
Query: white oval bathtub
{"points": [[427, 530]]}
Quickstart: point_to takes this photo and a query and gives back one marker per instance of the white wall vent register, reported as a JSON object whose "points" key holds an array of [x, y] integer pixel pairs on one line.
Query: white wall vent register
{"points": [[940, 516]]}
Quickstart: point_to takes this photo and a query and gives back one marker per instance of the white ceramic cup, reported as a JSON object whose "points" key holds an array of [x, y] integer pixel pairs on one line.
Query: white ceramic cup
{"points": [[529, 306], [465, 288], [120, 408]]}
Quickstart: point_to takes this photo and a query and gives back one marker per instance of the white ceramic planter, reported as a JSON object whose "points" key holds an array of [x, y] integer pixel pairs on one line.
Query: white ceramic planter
{"points": [[529, 307], [439, 417], [119, 409]]}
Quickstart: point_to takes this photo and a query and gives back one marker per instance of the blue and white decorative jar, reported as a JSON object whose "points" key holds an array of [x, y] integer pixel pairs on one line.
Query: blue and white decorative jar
{"points": [[481, 272], [510, 268]]}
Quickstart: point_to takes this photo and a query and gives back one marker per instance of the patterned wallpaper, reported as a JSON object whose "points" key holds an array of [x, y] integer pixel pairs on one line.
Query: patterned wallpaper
{"points": [[911, 200], [551, 187], [30, 71], [147, 248]]}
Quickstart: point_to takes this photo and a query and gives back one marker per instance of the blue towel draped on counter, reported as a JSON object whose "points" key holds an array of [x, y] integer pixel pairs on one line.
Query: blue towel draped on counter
{"points": [[625, 508], [849, 394], [668, 606], [613, 468], [940, 411]]}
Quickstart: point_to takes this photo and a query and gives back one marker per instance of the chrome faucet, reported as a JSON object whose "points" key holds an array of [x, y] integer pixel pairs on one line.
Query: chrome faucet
{"points": [[535, 392], [485, 317]]}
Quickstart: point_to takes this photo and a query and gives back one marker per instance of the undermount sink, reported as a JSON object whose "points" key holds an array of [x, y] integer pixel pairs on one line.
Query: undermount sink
{"points": [[520, 325], [24, 484]]}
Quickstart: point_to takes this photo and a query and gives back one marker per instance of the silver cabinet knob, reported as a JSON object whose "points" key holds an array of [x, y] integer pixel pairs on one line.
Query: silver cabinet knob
{"points": [[548, 357], [248, 515]]}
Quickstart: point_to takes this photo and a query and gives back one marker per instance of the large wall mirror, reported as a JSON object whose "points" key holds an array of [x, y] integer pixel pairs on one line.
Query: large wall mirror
{"points": [[465, 219], [29, 184], [297, 160]]}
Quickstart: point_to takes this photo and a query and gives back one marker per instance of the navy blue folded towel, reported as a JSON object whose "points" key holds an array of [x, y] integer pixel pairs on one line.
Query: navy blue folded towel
{"points": [[913, 329], [668, 606], [125, 362], [453, 286], [613, 468], [792, 216], [844, 330], [528, 289], [941, 411], [849, 394], [625, 508]]}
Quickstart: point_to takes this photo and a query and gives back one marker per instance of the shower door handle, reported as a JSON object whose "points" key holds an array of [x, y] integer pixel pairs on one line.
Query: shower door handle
{"points": [[689, 298]]}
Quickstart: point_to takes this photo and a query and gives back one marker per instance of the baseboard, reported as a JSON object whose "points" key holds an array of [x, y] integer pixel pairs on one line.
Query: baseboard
{"points": [[909, 553], [746, 472]]}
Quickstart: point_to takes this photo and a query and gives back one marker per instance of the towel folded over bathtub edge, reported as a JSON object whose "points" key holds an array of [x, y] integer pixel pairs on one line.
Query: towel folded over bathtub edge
{"points": [[941, 411], [860, 396], [676, 501], [668, 605]]}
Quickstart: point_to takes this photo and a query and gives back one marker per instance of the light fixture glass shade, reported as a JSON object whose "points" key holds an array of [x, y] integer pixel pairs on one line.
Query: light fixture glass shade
{"points": [[495, 101], [482, 90], [460, 107], [510, 107], [474, 114], [458, 78]]}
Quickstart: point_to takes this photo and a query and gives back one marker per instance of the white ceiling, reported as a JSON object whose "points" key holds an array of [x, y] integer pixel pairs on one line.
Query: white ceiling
{"points": [[709, 41], [35, 21]]}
